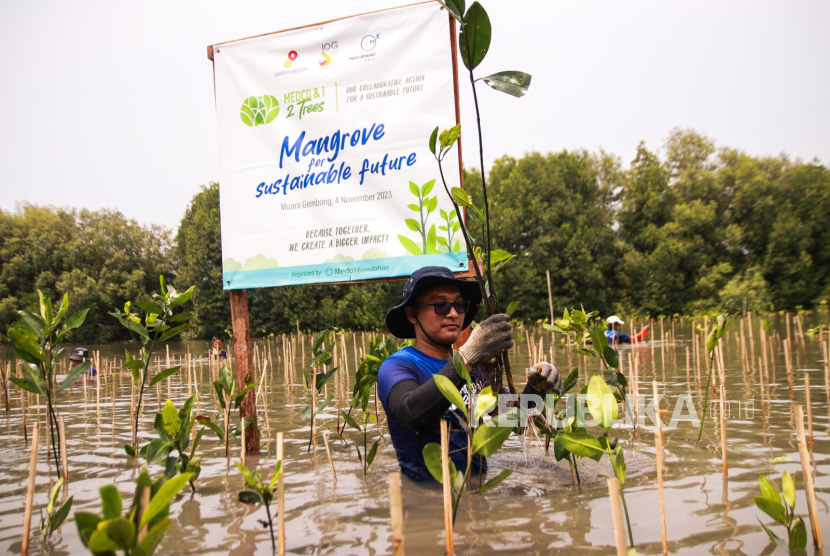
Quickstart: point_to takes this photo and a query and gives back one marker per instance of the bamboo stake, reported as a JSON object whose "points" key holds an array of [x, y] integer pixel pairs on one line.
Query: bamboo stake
{"points": [[617, 514], [62, 436], [809, 491], [550, 297], [723, 433], [242, 448], [281, 497], [396, 511], [445, 467], [328, 454], [30, 493], [809, 409], [658, 444]]}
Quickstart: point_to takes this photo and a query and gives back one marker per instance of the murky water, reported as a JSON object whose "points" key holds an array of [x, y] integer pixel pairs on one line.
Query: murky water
{"points": [[536, 511]]}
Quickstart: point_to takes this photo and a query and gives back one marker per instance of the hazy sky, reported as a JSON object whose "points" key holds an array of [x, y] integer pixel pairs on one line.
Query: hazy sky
{"points": [[110, 104]]}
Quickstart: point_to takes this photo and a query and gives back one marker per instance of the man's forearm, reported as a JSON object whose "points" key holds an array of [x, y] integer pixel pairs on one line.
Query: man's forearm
{"points": [[416, 406]]}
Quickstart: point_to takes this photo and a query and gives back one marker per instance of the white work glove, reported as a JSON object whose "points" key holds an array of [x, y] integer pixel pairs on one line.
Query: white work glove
{"points": [[545, 379], [492, 336]]}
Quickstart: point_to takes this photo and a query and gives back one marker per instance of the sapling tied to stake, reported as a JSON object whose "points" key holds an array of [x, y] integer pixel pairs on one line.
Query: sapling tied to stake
{"points": [[485, 438], [260, 494], [137, 532], [174, 430], [229, 401], [38, 340], [156, 328], [718, 332], [320, 356], [781, 508], [55, 515]]}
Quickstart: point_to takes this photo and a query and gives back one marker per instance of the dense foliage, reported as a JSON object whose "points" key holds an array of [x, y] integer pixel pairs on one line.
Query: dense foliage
{"points": [[693, 229]]}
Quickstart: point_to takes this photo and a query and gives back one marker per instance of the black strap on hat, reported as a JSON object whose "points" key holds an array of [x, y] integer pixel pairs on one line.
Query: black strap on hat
{"points": [[448, 346]]}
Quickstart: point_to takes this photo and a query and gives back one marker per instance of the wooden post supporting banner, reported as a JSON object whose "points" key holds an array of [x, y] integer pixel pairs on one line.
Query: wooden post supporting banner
{"points": [[809, 490], [396, 511], [280, 498], [244, 365], [30, 493], [617, 514]]}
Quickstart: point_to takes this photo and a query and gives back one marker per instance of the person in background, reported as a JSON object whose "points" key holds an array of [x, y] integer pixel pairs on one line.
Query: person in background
{"points": [[615, 334], [218, 351], [80, 355]]}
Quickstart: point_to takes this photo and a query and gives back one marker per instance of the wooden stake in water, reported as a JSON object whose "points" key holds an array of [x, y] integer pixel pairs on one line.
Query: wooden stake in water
{"points": [[617, 514], [809, 490], [809, 409], [242, 449], [550, 297], [30, 493], [658, 444], [62, 435], [723, 433], [281, 497], [396, 511], [331, 462], [445, 475]]}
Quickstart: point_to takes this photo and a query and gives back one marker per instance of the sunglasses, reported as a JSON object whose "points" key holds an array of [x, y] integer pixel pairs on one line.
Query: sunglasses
{"points": [[444, 307]]}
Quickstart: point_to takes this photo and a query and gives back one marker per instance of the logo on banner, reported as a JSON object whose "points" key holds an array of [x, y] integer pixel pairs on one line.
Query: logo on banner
{"points": [[328, 50], [259, 110], [369, 42], [291, 57]]}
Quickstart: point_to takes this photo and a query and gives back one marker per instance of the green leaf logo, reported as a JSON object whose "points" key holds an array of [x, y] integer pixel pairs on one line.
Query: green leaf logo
{"points": [[259, 110]]}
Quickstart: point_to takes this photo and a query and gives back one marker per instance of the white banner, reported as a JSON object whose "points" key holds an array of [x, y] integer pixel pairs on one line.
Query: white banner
{"points": [[325, 169]]}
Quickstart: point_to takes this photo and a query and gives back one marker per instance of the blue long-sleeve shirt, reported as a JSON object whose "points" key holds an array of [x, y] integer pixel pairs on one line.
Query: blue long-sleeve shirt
{"points": [[622, 337]]}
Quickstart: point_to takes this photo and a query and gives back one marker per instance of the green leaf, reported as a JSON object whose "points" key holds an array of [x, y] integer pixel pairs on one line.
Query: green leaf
{"points": [[181, 317], [370, 457], [252, 479], [349, 420], [798, 536], [323, 405], [512, 306], [173, 331], [100, 542], [162, 499], [768, 490], [788, 489], [772, 536], [182, 297], [31, 323], [172, 422], [448, 137], [450, 392], [212, 426], [110, 502], [432, 140], [74, 374], [121, 531], [773, 509], [320, 379], [53, 497], [151, 540], [488, 439], [612, 358], [150, 307], [86, 523], [604, 407], [27, 346], [559, 450], [427, 188], [305, 414], [21, 383], [414, 207], [494, 482], [474, 40], [161, 375], [581, 444], [598, 338], [461, 197], [431, 241], [276, 475], [60, 515], [237, 401], [250, 497], [513, 83], [158, 451], [130, 451], [410, 245], [45, 307], [74, 321], [455, 7], [432, 459], [619, 464], [61, 310], [413, 224], [499, 255], [413, 187], [570, 381], [712, 341], [319, 340]]}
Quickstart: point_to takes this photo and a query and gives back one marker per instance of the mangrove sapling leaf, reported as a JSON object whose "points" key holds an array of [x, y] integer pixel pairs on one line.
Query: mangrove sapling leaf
{"points": [[494, 482], [583, 351], [74, 321], [512, 306], [513, 83], [111, 502], [788, 489], [350, 420], [55, 517], [260, 495], [455, 7], [31, 323], [451, 393], [74, 374], [432, 459], [601, 402], [772, 536], [161, 500], [433, 139], [161, 375], [474, 40], [370, 457], [461, 197], [773, 509], [488, 439], [570, 381], [581, 444], [798, 536]]}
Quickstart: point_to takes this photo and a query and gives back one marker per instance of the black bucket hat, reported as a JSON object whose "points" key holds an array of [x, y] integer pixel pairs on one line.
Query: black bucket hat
{"points": [[421, 280], [79, 354]]}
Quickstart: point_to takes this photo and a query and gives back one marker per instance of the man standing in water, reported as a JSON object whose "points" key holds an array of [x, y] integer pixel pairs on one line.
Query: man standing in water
{"points": [[435, 309], [615, 334]]}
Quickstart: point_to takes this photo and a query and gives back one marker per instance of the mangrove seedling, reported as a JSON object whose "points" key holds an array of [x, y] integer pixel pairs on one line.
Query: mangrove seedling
{"points": [[260, 494], [718, 332], [484, 438], [781, 508], [174, 430], [368, 455], [38, 340], [138, 531], [320, 356], [426, 206], [229, 401], [55, 515], [156, 328]]}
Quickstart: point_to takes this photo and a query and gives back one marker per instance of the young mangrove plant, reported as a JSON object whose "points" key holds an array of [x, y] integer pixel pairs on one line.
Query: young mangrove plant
{"points": [[229, 401], [55, 515], [138, 531], [781, 508], [718, 331], [549, 427], [156, 328], [320, 356], [174, 431], [369, 454], [38, 340], [473, 45], [484, 438], [260, 494]]}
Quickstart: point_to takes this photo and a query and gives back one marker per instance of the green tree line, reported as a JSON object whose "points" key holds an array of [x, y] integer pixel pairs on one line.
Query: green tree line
{"points": [[693, 229]]}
